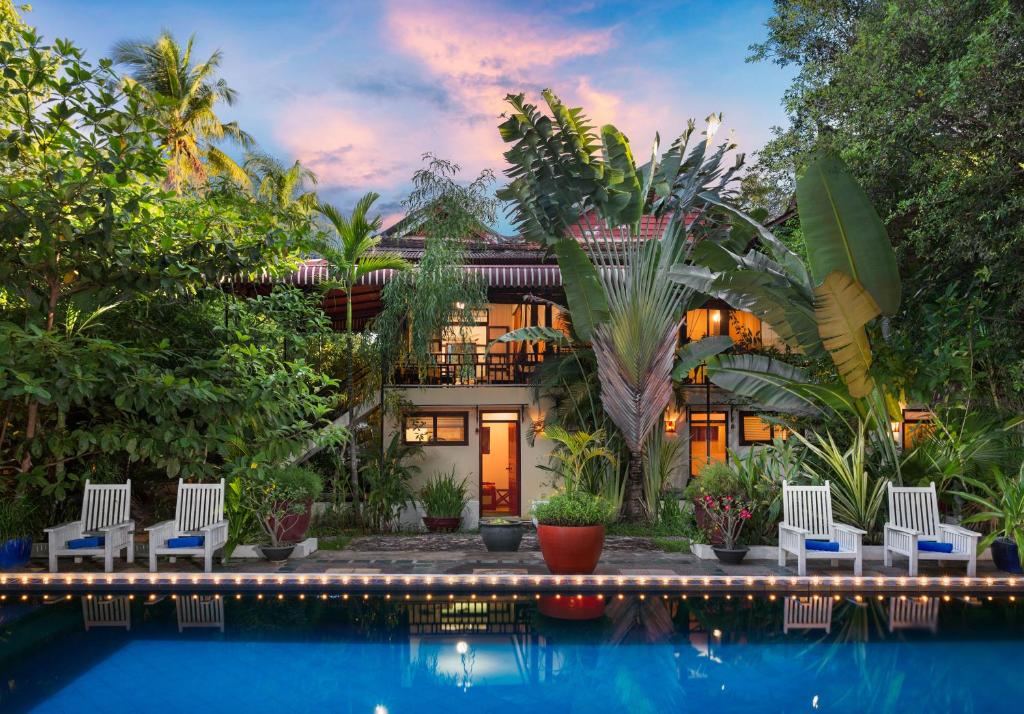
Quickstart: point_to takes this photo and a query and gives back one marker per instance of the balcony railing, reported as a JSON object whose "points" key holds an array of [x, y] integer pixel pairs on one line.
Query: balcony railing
{"points": [[477, 367]]}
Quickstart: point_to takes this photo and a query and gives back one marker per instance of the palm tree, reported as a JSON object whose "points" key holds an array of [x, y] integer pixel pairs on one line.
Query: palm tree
{"points": [[280, 185], [353, 256], [182, 98]]}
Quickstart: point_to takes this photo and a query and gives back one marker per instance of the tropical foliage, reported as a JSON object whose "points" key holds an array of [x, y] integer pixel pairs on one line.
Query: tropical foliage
{"points": [[571, 190]]}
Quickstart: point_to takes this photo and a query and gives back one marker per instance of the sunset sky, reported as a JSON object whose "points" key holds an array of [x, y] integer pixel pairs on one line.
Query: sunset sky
{"points": [[360, 90]]}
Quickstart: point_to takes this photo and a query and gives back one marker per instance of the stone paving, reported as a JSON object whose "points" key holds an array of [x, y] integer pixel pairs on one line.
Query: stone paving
{"points": [[464, 554]]}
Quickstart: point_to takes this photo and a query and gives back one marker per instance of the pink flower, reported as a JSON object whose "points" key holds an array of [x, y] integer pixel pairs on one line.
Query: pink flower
{"points": [[727, 506], [745, 514]]}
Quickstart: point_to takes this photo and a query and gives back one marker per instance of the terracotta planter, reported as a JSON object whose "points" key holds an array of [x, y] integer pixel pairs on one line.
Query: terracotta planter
{"points": [[571, 550], [296, 524], [707, 524], [442, 525]]}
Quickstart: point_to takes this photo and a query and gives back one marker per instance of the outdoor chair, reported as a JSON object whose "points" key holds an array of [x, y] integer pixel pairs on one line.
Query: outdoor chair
{"points": [[198, 528], [808, 531], [807, 613], [104, 530], [915, 532]]}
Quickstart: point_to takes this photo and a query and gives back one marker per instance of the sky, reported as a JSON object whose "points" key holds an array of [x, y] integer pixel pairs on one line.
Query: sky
{"points": [[359, 91]]}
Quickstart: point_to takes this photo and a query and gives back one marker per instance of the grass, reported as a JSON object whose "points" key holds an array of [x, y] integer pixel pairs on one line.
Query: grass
{"points": [[334, 542], [672, 545]]}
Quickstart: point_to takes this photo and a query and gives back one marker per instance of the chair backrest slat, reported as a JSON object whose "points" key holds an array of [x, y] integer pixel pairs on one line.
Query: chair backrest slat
{"points": [[915, 507], [199, 504], [106, 504], [808, 507]]}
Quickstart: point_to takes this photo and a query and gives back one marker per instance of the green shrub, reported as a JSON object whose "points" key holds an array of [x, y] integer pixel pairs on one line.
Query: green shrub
{"points": [[444, 496], [576, 508], [714, 479], [299, 483], [18, 518]]}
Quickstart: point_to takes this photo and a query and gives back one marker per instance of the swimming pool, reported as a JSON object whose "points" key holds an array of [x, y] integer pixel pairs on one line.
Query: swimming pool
{"points": [[659, 653]]}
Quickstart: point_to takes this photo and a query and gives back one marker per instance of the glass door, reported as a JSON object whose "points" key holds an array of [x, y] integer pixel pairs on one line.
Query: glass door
{"points": [[499, 463]]}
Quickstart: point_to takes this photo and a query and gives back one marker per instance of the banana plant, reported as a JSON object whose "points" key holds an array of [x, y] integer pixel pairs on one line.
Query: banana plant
{"points": [[581, 194], [822, 308]]}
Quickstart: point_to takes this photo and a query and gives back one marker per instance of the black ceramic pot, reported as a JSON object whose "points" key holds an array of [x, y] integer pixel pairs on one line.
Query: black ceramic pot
{"points": [[731, 556], [502, 537], [276, 554], [1005, 555]]}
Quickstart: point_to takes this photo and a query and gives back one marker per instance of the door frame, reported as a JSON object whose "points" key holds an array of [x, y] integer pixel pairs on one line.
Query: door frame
{"points": [[517, 422]]}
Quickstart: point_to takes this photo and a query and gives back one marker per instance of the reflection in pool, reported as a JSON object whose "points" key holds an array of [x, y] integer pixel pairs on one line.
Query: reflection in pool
{"points": [[641, 654]]}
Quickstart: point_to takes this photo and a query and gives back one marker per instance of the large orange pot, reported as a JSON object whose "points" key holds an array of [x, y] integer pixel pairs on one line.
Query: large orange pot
{"points": [[571, 550]]}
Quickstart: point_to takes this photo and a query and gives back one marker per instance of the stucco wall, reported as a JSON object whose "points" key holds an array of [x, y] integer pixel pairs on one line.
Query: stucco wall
{"points": [[473, 399]]}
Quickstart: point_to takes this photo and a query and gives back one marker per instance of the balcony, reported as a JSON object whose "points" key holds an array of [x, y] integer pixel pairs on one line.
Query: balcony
{"points": [[477, 366]]}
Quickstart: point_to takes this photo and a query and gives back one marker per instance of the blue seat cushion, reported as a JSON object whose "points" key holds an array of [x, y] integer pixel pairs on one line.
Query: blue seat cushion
{"points": [[186, 542], [932, 546], [827, 545], [87, 542]]}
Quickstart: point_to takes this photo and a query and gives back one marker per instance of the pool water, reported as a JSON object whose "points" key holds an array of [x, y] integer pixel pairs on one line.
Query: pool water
{"points": [[377, 656]]}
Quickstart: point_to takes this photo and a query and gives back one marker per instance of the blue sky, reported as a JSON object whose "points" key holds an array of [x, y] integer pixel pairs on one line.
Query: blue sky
{"points": [[360, 90]]}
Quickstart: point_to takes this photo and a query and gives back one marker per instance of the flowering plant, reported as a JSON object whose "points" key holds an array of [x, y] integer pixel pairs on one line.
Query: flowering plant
{"points": [[729, 514]]}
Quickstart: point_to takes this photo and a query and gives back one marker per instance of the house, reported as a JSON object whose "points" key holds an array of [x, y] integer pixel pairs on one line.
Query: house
{"points": [[476, 408]]}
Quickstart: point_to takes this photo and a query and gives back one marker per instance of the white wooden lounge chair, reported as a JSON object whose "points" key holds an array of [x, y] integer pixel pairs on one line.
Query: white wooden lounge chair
{"points": [[914, 530], [808, 531], [807, 613], [200, 611], [104, 530], [198, 528], [913, 613], [113, 612]]}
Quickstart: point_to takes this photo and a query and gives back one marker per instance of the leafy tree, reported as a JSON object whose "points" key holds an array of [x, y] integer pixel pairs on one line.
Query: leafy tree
{"points": [[914, 96], [181, 98], [354, 255]]}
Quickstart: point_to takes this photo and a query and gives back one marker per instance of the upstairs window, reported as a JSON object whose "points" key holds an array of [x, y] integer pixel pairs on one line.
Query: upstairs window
{"points": [[436, 428]]}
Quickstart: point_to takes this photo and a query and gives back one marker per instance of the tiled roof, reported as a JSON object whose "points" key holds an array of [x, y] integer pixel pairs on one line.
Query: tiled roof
{"points": [[315, 272]]}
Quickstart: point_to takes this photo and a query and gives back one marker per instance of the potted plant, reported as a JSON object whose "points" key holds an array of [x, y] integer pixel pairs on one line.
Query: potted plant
{"points": [[571, 524], [570, 529], [728, 513], [714, 479], [1002, 503], [502, 535], [278, 499], [17, 522], [444, 498]]}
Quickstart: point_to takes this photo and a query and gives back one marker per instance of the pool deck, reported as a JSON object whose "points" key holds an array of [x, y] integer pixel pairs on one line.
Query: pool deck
{"points": [[625, 565]]}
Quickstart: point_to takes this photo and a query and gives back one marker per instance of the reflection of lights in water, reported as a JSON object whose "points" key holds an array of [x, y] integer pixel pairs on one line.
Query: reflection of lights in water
{"points": [[814, 702], [462, 647], [380, 709], [717, 634]]}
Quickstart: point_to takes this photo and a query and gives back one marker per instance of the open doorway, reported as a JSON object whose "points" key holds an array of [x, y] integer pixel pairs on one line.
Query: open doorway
{"points": [[709, 438], [499, 463]]}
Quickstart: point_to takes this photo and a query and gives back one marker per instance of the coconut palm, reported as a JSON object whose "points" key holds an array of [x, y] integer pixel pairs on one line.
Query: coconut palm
{"points": [[353, 255], [281, 185], [182, 98]]}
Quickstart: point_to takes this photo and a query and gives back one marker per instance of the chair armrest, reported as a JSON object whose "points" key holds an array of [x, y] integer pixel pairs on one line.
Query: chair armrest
{"points": [[130, 525], [958, 530], [794, 529], [849, 529], [214, 526], [164, 530], [901, 529], [64, 527]]}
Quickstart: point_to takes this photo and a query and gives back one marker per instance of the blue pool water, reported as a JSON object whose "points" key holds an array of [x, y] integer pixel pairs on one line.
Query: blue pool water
{"points": [[387, 657]]}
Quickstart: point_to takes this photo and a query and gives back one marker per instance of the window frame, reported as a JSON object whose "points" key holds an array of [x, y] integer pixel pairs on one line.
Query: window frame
{"points": [[744, 441], [930, 419], [690, 411], [433, 415]]}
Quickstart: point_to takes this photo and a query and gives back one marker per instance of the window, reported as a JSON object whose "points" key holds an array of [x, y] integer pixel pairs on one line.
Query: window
{"points": [[755, 429], [709, 438], [917, 425], [436, 428]]}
